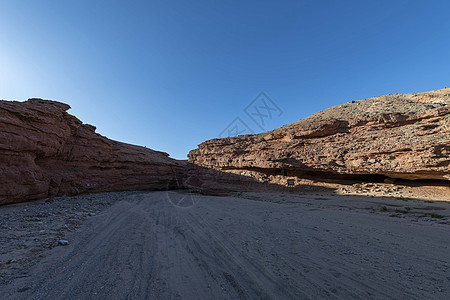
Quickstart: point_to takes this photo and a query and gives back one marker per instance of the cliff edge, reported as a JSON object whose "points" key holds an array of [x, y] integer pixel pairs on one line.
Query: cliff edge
{"points": [[403, 136], [46, 152]]}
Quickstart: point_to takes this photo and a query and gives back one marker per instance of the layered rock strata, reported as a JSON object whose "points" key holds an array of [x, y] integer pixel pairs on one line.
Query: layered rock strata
{"points": [[399, 136], [45, 152]]}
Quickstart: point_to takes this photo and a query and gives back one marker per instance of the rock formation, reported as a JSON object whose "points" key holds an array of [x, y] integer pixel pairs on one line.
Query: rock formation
{"points": [[45, 152], [399, 136]]}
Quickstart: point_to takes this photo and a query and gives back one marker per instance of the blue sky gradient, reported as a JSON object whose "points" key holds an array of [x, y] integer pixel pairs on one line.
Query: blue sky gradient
{"points": [[171, 74]]}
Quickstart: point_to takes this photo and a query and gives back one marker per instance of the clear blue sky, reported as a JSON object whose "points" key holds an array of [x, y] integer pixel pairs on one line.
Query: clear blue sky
{"points": [[171, 74]]}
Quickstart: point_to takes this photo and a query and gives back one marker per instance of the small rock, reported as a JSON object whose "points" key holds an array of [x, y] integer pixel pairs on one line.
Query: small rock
{"points": [[63, 242], [25, 288], [49, 200]]}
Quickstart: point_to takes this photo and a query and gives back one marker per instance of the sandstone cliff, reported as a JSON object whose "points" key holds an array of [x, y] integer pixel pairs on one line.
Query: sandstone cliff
{"points": [[45, 152], [400, 136]]}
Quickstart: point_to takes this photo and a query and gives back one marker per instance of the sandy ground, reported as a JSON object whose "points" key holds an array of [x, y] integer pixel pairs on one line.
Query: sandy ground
{"points": [[178, 245]]}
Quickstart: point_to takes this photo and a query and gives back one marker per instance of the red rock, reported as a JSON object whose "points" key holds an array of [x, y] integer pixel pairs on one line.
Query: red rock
{"points": [[400, 136], [46, 152]]}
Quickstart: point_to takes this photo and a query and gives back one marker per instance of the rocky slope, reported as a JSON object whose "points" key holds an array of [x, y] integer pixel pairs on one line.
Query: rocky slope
{"points": [[399, 136], [45, 152]]}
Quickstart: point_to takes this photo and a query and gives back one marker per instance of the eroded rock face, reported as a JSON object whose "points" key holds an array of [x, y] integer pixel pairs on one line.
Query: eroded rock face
{"points": [[45, 152], [400, 136]]}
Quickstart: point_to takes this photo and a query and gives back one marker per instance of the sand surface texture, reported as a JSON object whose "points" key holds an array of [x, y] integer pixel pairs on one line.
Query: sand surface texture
{"points": [[178, 245]]}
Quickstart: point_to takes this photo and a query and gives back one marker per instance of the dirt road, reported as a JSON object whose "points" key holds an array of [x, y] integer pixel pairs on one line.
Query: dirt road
{"points": [[175, 245]]}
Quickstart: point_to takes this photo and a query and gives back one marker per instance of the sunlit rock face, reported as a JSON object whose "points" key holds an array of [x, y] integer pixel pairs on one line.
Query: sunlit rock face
{"points": [[400, 136], [45, 152]]}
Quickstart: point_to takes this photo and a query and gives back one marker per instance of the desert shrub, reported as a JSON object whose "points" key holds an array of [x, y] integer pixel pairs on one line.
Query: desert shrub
{"points": [[383, 208]]}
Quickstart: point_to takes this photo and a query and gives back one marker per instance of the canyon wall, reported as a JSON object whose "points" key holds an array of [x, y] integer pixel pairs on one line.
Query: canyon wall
{"points": [[46, 152], [399, 136]]}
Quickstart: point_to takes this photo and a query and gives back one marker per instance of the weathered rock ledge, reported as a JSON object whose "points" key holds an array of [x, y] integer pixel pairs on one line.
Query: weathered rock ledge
{"points": [[45, 152], [403, 136]]}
